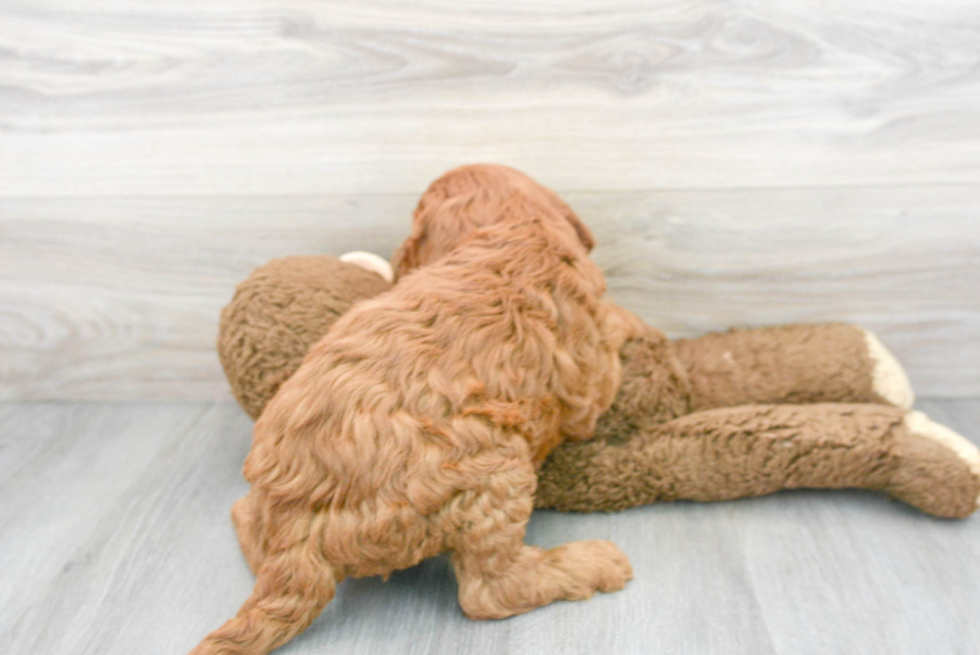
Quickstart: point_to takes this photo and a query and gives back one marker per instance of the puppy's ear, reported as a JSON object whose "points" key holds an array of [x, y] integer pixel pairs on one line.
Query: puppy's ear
{"points": [[406, 257], [584, 234]]}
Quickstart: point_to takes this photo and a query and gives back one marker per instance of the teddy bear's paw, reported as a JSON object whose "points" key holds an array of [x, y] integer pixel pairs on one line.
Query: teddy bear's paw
{"points": [[370, 261], [920, 424], [888, 377], [938, 470]]}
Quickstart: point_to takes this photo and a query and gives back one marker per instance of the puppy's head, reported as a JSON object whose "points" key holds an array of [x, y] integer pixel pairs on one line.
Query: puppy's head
{"points": [[468, 198]]}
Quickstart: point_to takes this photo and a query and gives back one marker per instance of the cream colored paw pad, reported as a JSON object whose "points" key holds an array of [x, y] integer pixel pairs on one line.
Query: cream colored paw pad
{"points": [[888, 378], [919, 423], [370, 261]]}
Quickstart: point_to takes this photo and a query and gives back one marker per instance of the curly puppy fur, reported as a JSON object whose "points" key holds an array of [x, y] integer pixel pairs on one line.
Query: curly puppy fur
{"points": [[468, 198], [416, 424]]}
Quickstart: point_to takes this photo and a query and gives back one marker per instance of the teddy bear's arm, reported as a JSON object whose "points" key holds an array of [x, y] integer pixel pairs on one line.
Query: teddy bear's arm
{"points": [[792, 364], [727, 453]]}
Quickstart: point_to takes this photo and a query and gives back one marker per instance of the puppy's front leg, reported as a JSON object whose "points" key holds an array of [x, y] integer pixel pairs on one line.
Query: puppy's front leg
{"points": [[499, 576]]}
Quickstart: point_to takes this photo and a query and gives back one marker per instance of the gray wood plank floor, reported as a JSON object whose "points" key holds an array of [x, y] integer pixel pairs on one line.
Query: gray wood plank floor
{"points": [[115, 538]]}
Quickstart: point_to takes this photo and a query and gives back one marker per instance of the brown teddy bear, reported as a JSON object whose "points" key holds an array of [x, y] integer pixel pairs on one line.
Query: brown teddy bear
{"points": [[728, 415]]}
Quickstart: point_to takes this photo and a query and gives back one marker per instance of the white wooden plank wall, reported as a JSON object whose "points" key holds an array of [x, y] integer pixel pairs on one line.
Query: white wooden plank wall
{"points": [[742, 163]]}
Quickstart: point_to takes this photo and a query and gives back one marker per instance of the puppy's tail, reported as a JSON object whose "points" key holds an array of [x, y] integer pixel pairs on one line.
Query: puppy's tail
{"points": [[291, 589]]}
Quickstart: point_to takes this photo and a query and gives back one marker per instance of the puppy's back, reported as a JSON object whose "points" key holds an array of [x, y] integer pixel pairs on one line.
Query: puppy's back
{"points": [[497, 333]]}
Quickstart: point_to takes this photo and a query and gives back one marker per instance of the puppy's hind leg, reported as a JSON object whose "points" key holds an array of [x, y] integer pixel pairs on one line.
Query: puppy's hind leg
{"points": [[292, 587], [499, 576], [246, 517]]}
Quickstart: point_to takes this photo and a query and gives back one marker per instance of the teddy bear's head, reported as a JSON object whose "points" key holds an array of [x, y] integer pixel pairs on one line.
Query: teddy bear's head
{"points": [[280, 311]]}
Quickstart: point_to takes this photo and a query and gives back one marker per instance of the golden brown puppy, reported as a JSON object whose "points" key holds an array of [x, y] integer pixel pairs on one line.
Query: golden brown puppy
{"points": [[416, 424], [468, 198]]}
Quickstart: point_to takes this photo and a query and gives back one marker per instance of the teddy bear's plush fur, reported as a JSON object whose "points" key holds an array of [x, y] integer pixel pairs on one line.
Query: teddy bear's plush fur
{"points": [[728, 415], [415, 425], [283, 309]]}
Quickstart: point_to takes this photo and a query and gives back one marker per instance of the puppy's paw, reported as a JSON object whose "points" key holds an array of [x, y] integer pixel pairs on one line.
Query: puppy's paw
{"points": [[618, 570], [599, 564]]}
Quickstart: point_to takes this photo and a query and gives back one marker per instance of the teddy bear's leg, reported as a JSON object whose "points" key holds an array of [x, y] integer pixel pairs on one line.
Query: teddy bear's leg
{"points": [[793, 364], [500, 576], [752, 450], [929, 478]]}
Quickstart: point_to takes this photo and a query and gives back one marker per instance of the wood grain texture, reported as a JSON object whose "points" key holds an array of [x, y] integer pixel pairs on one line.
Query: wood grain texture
{"points": [[123, 98], [110, 299], [742, 163], [115, 538]]}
